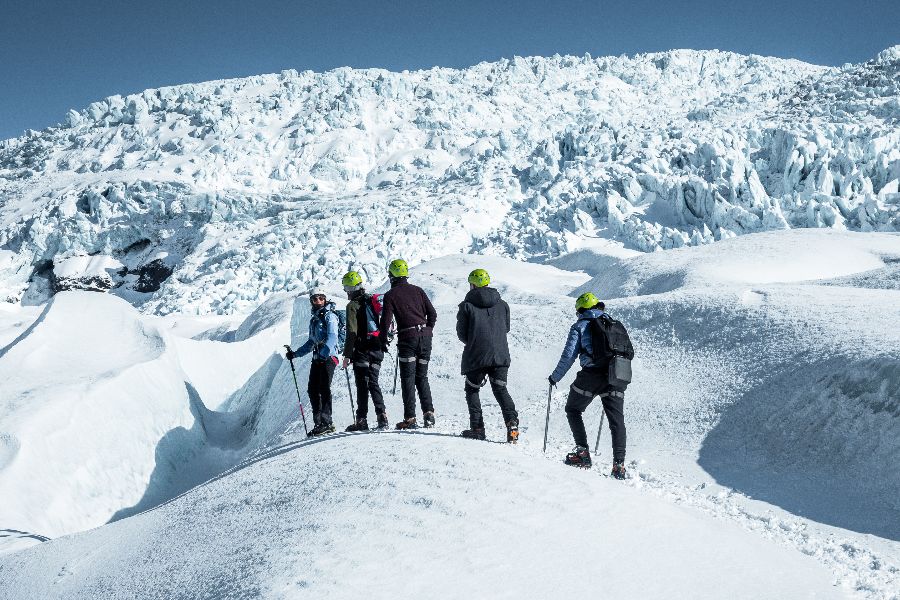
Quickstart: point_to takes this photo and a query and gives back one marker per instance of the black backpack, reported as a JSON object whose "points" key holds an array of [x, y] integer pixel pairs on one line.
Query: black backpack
{"points": [[611, 343]]}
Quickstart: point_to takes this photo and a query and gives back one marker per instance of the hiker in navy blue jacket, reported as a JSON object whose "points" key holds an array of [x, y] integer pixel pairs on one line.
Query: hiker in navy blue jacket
{"points": [[592, 380], [323, 345]]}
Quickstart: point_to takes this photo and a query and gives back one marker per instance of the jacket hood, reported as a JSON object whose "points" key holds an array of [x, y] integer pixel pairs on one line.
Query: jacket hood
{"points": [[483, 297], [591, 314]]}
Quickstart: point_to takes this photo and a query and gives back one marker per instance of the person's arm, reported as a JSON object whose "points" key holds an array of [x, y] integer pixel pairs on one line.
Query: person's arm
{"points": [[508, 322], [304, 349], [387, 315], [569, 354], [462, 324], [352, 327], [430, 313], [331, 335]]}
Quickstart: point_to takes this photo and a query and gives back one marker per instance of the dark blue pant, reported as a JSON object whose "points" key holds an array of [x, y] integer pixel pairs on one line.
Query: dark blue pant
{"points": [[589, 383]]}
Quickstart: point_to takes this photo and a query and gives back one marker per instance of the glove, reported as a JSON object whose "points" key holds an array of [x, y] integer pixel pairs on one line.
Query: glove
{"points": [[335, 360], [384, 346], [346, 362], [551, 380], [290, 354]]}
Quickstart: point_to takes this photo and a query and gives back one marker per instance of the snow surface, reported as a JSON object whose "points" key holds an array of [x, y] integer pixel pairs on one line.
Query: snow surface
{"points": [[755, 409], [344, 517]]}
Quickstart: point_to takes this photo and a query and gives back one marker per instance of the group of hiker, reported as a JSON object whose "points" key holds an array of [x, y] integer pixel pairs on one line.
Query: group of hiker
{"points": [[371, 322]]}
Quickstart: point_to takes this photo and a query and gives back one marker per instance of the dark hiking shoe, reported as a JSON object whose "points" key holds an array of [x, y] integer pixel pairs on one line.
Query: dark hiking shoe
{"points": [[618, 470], [429, 420], [473, 434], [512, 431], [360, 425], [322, 429], [382, 421], [409, 423], [579, 457]]}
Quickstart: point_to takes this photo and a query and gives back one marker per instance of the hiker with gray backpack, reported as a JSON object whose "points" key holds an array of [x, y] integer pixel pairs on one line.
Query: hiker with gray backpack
{"points": [[326, 328], [605, 351]]}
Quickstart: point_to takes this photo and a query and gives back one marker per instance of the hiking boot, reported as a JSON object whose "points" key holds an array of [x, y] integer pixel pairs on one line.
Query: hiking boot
{"points": [[476, 433], [360, 425], [382, 421], [322, 429], [618, 470], [428, 418], [512, 431], [409, 423], [579, 457]]}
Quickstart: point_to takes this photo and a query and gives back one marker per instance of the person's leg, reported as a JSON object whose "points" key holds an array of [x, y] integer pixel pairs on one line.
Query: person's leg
{"points": [[375, 359], [474, 382], [580, 397], [423, 356], [312, 389], [325, 391], [360, 377], [498, 376], [406, 352], [614, 406]]}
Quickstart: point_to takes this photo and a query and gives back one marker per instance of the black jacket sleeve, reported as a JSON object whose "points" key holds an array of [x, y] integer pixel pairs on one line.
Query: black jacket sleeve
{"points": [[430, 313], [462, 324]]}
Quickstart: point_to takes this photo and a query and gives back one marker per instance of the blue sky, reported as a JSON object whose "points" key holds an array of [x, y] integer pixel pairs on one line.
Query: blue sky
{"points": [[66, 54]]}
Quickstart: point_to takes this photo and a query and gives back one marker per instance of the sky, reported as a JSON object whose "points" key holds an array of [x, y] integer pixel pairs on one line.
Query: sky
{"points": [[57, 55]]}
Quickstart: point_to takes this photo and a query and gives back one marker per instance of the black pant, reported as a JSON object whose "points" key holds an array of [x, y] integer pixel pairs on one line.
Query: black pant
{"points": [[414, 355], [366, 367], [319, 389], [497, 377], [589, 383]]}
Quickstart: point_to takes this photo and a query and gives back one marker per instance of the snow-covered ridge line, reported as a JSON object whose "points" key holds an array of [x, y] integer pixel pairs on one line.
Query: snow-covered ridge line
{"points": [[213, 196]]}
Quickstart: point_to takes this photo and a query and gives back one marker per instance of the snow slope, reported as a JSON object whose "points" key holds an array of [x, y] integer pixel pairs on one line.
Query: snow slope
{"points": [[104, 409], [756, 407], [212, 197], [351, 515]]}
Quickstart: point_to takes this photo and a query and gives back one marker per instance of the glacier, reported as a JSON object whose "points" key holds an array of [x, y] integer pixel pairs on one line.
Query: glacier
{"points": [[212, 197]]}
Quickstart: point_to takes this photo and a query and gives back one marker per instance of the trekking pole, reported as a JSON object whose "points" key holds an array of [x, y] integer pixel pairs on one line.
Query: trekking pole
{"points": [[396, 368], [547, 421], [350, 393], [297, 387], [599, 429]]}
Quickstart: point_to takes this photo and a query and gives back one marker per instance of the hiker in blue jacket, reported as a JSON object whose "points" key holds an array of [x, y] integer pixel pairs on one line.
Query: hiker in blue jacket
{"points": [[323, 345], [592, 380]]}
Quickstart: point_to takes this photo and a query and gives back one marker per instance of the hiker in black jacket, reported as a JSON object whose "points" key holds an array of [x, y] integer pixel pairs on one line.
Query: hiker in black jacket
{"points": [[362, 348], [482, 324], [415, 317]]}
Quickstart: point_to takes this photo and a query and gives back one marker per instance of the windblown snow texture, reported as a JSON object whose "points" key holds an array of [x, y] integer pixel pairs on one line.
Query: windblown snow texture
{"points": [[212, 197]]}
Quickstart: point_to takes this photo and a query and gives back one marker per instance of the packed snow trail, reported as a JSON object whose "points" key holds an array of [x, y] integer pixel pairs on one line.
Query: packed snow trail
{"points": [[383, 514]]}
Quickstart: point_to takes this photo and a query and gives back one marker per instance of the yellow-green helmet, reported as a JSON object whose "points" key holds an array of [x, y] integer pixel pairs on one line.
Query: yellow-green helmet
{"points": [[479, 278], [586, 300], [398, 268], [351, 280]]}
